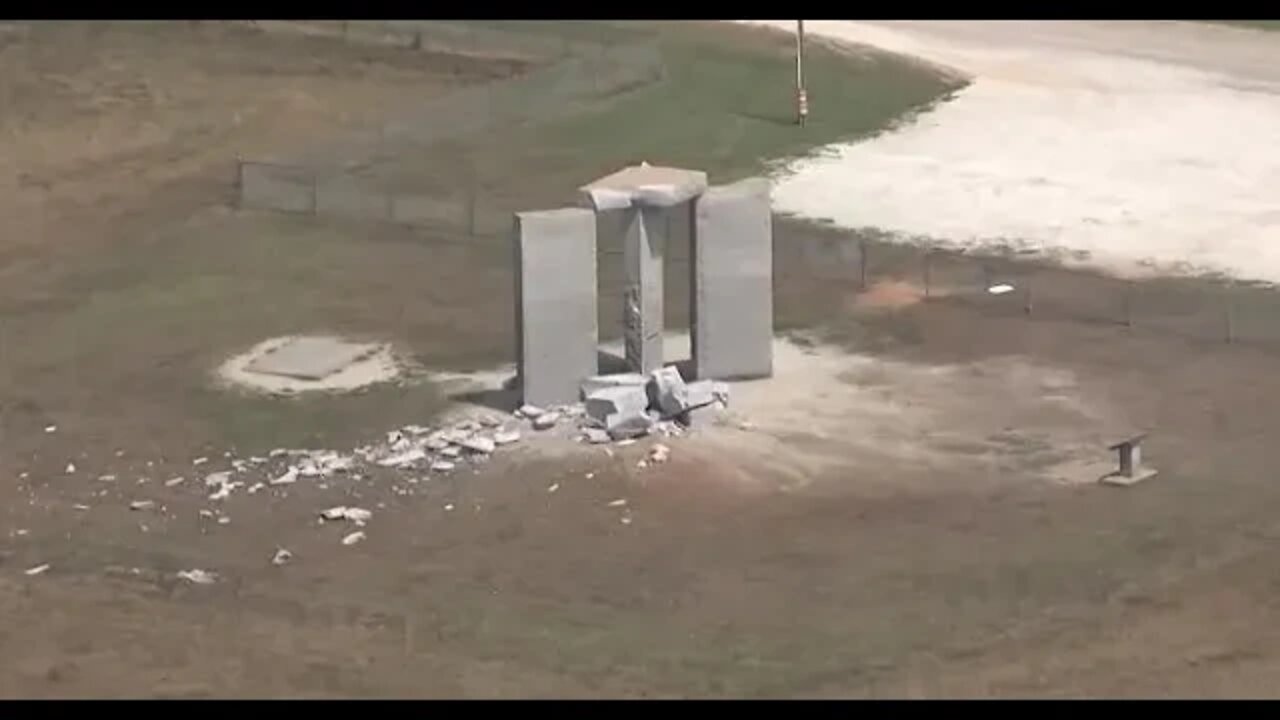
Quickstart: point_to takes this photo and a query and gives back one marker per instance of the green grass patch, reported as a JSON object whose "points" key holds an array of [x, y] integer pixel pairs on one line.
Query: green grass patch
{"points": [[727, 105]]}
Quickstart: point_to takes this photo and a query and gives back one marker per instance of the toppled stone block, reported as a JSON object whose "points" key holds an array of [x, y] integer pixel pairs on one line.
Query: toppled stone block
{"points": [[667, 391], [546, 421], [699, 394], [617, 403], [626, 427], [601, 382]]}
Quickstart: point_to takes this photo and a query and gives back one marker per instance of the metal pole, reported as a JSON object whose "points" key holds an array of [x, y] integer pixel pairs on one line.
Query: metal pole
{"points": [[802, 99]]}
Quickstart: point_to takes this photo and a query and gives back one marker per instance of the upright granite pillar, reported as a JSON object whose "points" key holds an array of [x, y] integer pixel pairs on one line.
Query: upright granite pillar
{"points": [[555, 263], [647, 195], [731, 323]]}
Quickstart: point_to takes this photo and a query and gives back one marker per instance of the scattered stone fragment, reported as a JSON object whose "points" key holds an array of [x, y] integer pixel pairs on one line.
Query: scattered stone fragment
{"points": [[659, 453], [142, 504], [590, 475], [436, 443], [281, 557], [404, 459], [479, 444], [106, 478], [620, 502], [290, 476], [529, 412], [642, 464], [51, 429], [595, 436], [217, 479], [490, 421], [256, 487], [451, 452], [448, 507], [198, 577], [21, 532], [442, 466], [353, 538], [631, 427], [359, 516], [37, 569], [200, 461], [546, 421], [71, 468], [206, 514], [625, 520], [554, 487], [416, 429], [506, 437], [746, 425], [79, 507]]}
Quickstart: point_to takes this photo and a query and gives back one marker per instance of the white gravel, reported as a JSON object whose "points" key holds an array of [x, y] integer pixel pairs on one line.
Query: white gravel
{"points": [[1135, 146]]}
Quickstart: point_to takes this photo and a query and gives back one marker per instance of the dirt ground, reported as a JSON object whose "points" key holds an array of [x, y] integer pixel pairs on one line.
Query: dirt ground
{"points": [[903, 516]]}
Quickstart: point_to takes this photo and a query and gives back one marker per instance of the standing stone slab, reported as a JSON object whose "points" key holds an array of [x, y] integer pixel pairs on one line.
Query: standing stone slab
{"points": [[642, 307], [555, 262], [647, 197], [732, 275]]}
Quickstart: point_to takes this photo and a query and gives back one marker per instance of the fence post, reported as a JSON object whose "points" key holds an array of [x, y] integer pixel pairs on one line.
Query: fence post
{"points": [[1128, 304], [239, 204], [315, 193], [862, 264], [928, 273], [1229, 316]]}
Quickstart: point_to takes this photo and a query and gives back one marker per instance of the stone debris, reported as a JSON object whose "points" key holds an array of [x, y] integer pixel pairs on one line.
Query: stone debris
{"points": [[71, 468], [529, 412], [667, 391], [612, 405], [448, 507], [451, 452], [257, 487], [480, 444], [353, 538], [506, 437], [620, 502], [546, 421], [37, 570], [106, 478], [554, 487], [199, 461], [659, 453], [142, 504], [206, 514], [51, 429], [625, 520], [442, 466], [595, 436], [359, 516], [404, 459], [289, 477], [80, 507], [198, 577], [281, 557], [632, 427], [224, 520]]}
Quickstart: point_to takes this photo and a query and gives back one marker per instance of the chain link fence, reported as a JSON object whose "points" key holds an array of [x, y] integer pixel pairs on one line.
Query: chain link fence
{"points": [[359, 178], [1206, 309]]}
